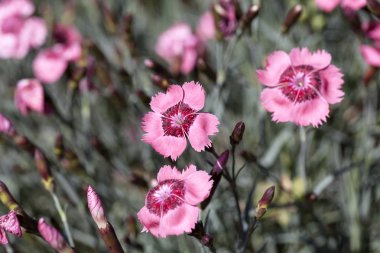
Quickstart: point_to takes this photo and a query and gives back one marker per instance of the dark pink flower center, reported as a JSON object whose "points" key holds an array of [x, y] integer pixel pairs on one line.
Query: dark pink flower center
{"points": [[166, 196], [12, 25], [300, 83], [177, 120]]}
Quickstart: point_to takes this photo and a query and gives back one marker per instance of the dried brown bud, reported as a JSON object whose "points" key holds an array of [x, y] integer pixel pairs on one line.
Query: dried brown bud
{"points": [[237, 133], [369, 75], [264, 202], [291, 18], [58, 147], [44, 170], [374, 7]]}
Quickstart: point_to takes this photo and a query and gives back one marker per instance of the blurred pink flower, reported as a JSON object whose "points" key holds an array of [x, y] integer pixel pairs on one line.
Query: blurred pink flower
{"points": [[5, 125], [179, 47], [96, 208], [51, 63], [372, 29], [206, 27], [29, 96], [227, 22], [329, 5], [371, 54], [300, 86], [18, 31], [52, 236], [175, 116], [171, 206], [9, 223]]}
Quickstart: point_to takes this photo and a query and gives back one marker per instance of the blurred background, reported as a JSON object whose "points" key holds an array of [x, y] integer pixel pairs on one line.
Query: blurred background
{"points": [[92, 135]]}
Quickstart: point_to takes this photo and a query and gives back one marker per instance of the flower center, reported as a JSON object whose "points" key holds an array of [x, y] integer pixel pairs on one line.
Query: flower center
{"points": [[177, 120], [166, 196], [302, 83]]}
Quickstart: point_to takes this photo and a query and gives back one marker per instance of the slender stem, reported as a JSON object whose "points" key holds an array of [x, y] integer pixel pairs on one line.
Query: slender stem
{"points": [[236, 199], [302, 155], [233, 162], [63, 217]]}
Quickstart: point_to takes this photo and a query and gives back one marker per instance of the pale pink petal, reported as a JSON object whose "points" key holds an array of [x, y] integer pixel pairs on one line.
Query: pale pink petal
{"points": [[167, 172], [3, 237], [188, 171], [22, 8], [276, 64], [5, 124], [313, 112], [194, 95], [206, 26], [29, 94], [152, 126], [9, 223], [178, 221], [371, 55], [273, 100], [327, 5], [163, 101], [150, 221], [49, 65], [198, 186], [8, 47], [302, 56], [169, 146], [189, 59], [72, 52], [35, 31], [353, 4], [205, 124], [332, 82]]}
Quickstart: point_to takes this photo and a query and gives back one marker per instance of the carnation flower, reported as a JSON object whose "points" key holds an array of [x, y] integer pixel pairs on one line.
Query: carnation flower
{"points": [[29, 96], [171, 206], [176, 116], [179, 47], [206, 27], [18, 31], [329, 5], [9, 223], [300, 86], [51, 63]]}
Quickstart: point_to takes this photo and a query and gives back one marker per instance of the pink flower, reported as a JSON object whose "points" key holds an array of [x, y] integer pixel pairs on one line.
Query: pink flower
{"points": [[5, 125], [53, 237], [226, 22], [29, 96], [300, 86], [175, 116], [206, 27], [96, 208], [18, 31], [179, 47], [171, 206], [372, 30], [329, 5], [371, 54], [9, 223], [51, 63]]}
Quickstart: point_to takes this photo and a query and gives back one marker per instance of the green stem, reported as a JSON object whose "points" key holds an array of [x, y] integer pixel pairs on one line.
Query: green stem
{"points": [[302, 155]]}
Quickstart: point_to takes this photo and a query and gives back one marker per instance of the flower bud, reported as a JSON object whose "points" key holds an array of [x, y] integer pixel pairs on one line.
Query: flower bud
{"points": [[374, 7], [6, 126], [264, 202], [96, 208], [44, 170], [249, 15], [291, 18], [53, 237], [9, 223], [221, 162], [237, 133], [58, 146]]}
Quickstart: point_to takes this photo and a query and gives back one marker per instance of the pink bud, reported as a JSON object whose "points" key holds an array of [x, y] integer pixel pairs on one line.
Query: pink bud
{"points": [[52, 236], [96, 208], [9, 223], [221, 162], [5, 125], [29, 96]]}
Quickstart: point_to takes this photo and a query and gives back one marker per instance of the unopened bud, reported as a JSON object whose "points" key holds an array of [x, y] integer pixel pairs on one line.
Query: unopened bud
{"points": [[96, 209], [249, 156], [374, 7], [6, 126], [9, 223], [291, 18], [8, 200], [44, 170], [53, 237], [264, 202], [237, 133], [58, 146], [221, 162], [249, 15]]}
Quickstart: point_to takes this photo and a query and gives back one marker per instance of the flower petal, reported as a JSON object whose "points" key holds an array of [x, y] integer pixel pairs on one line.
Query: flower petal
{"points": [[327, 5], [34, 31], [9, 223], [163, 101], [150, 221], [198, 186], [194, 95], [274, 101], [332, 84], [353, 4], [49, 65], [152, 126], [167, 172], [3, 237], [276, 64], [179, 220], [371, 55], [169, 146], [302, 56], [189, 59], [313, 112], [205, 124]]}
